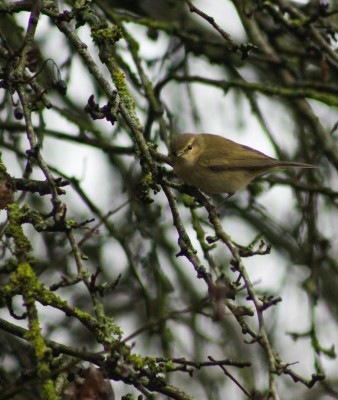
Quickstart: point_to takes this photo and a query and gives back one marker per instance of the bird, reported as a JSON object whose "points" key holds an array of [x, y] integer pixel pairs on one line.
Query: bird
{"points": [[215, 164]]}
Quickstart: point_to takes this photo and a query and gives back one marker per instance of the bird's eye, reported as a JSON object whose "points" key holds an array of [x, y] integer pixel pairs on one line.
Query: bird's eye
{"points": [[189, 147], [174, 153]]}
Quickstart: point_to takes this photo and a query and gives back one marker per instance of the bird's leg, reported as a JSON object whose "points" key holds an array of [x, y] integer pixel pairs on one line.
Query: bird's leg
{"points": [[223, 201]]}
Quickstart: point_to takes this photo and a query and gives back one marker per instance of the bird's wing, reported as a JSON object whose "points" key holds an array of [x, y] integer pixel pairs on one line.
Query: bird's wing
{"points": [[241, 157]]}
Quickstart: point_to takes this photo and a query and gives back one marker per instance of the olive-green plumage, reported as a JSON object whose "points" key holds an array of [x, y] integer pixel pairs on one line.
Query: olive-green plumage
{"points": [[218, 165]]}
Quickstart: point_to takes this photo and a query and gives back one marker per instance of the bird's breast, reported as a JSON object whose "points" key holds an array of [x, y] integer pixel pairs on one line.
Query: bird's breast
{"points": [[211, 181]]}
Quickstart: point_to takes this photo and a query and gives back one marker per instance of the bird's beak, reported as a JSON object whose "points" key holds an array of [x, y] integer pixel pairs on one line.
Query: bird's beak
{"points": [[179, 153]]}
